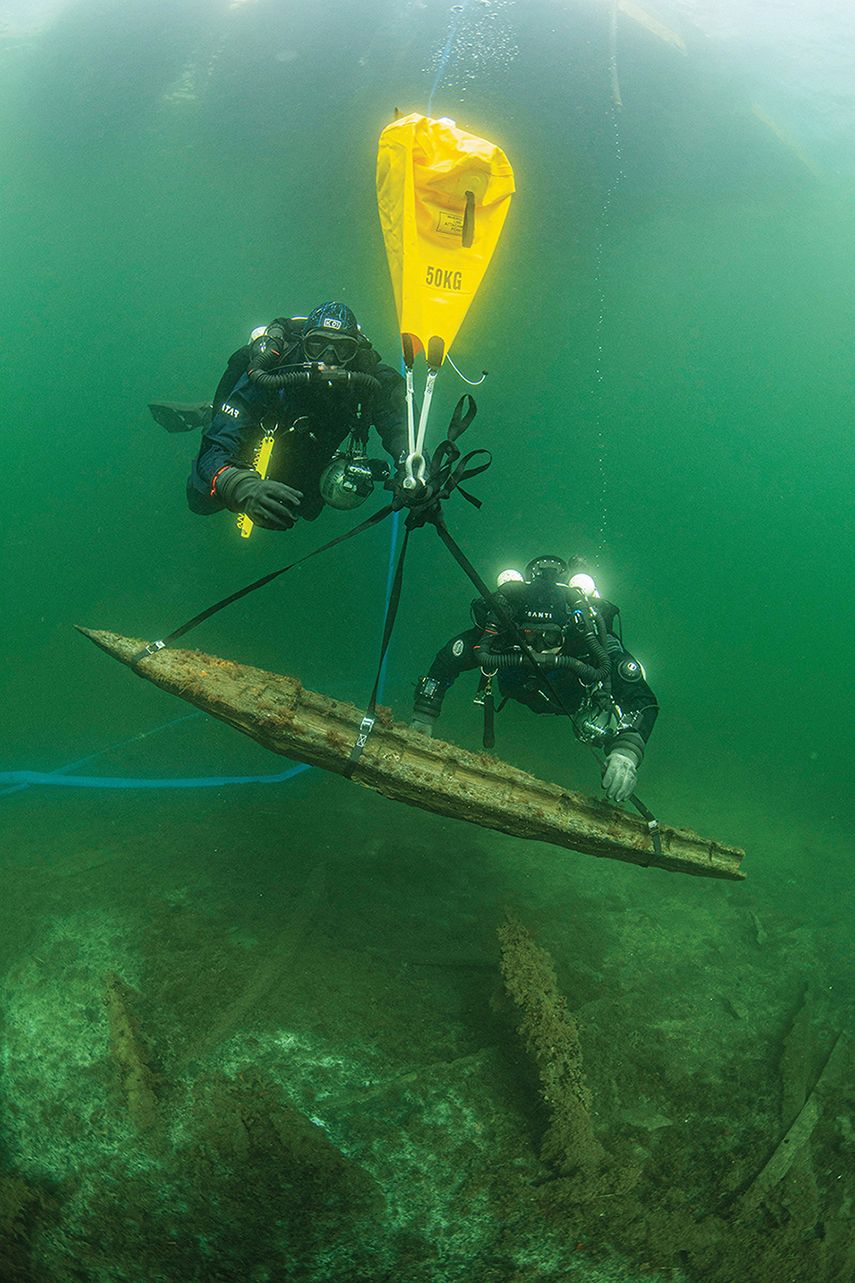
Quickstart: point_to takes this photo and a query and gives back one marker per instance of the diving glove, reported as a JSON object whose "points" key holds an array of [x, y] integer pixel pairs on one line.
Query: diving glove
{"points": [[422, 723], [269, 504], [619, 776]]}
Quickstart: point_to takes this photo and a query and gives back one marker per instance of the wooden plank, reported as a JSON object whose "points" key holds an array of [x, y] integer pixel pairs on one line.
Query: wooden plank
{"points": [[795, 1138], [285, 717]]}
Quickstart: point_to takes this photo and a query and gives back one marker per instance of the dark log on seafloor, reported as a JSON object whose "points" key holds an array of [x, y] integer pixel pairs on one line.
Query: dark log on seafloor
{"points": [[283, 716]]}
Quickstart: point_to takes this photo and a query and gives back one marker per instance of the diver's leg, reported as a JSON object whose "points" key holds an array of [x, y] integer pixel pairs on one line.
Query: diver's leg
{"points": [[182, 416]]}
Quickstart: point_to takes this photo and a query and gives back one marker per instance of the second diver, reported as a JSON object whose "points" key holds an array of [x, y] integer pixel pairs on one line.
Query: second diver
{"points": [[583, 669]]}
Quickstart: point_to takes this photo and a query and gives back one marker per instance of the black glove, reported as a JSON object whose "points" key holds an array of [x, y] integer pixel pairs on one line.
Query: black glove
{"points": [[269, 504]]}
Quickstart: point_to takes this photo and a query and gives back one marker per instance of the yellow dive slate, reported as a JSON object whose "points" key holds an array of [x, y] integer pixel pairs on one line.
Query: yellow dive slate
{"points": [[443, 195]]}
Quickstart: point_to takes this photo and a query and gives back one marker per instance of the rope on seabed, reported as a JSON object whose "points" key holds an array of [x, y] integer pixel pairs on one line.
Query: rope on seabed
{"points": [[23, 779], [17, 781]]}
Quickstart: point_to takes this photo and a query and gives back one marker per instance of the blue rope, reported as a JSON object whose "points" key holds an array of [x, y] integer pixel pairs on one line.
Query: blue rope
{"points": [[23, 779], [20, 779]]}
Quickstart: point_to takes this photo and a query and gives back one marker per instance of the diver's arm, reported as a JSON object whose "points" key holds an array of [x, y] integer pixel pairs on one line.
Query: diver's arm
{"points": [[457, 656], [225, 442], [636, 700], [389, 415]]}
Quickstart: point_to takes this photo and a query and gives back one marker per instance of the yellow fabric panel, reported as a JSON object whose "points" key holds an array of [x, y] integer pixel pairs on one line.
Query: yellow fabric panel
{"points": [[425, 168]]}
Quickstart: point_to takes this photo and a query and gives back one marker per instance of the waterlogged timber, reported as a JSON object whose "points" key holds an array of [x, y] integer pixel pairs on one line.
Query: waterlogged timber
{"points": [[285, 717]]}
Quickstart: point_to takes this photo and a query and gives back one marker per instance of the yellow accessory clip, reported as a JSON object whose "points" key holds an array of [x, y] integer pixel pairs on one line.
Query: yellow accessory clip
{"points": [[261, 463]]}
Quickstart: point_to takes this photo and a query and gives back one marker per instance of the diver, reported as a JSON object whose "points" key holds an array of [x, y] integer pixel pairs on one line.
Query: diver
{"points": [[305, 385], [583, 668]]}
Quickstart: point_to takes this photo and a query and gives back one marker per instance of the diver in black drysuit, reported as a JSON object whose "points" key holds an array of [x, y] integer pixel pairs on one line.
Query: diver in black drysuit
{"points": [[602, 687], [339, 387]]}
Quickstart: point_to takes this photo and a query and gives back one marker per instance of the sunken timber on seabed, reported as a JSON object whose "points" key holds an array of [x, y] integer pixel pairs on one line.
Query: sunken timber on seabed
{"points": [[283, 716]]}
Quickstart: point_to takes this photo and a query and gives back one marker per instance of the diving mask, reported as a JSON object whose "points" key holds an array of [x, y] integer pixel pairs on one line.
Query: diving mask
{"points": [[331, 349]]}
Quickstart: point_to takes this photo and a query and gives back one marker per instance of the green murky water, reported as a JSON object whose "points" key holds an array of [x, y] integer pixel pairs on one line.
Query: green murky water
{"points": [[261, 1032]]}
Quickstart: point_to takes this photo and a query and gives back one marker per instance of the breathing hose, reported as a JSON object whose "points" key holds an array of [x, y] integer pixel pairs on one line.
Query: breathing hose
{"points": [[589, 674], [585, 672], [366, 384]]}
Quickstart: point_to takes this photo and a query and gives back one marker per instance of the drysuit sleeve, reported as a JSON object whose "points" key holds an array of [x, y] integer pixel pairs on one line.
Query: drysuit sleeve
{"points": [[457, 656], [226, 441], [634, 697], [390, 411]]}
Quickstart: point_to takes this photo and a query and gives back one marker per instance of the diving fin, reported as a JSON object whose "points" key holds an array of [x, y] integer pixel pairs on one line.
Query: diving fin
{"points": [[179, 416]]}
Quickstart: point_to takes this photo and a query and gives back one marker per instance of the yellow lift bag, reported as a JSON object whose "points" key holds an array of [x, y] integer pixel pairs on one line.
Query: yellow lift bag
{"points": [[443, 195]]}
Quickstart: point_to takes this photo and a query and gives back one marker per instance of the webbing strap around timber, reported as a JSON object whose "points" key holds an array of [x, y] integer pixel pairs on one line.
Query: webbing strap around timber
{"points": [[370, 715], [445, 477]]}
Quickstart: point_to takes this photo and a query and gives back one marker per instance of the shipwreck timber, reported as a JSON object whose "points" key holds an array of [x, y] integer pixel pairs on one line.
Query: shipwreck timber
{"points": [[284, 717]]}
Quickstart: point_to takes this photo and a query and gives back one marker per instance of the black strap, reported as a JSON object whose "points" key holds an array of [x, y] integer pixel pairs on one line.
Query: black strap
{"points": [[489, 739], [652, 823], [444, 479], [153, 647], [462, 415], [370, 716], [464, 471], [424, 507]]}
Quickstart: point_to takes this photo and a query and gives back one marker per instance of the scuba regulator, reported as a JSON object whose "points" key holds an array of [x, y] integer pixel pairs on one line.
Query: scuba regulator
{"points": [[276, 360]]}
